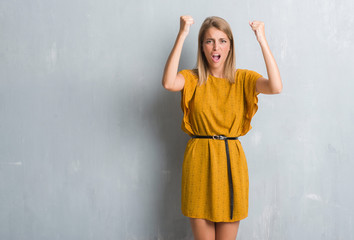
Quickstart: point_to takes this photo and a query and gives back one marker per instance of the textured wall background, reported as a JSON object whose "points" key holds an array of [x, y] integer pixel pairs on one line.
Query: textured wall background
{"points": [[91, 145]]}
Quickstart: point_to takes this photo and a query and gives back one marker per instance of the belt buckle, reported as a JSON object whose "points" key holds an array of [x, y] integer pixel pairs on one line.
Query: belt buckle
{"points": [[221, 137]]}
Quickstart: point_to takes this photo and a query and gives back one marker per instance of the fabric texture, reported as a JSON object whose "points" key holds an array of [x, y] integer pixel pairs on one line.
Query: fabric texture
{"points": [[216, 108]]}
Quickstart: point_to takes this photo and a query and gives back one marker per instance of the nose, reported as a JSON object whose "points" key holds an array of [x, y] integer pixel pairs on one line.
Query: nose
{"points": [[216, 45]]}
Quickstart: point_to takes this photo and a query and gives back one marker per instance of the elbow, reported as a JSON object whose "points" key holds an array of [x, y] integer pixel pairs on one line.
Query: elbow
{"points": [[278, 89], [168, 85], [164, 85]]}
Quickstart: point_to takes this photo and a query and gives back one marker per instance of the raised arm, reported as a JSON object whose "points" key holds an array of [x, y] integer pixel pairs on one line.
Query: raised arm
{"points": [[171, 80], [273, 85]]}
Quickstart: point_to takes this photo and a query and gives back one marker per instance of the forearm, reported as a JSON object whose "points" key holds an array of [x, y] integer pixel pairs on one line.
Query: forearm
{"points": [[275, 82], [171, 67]]}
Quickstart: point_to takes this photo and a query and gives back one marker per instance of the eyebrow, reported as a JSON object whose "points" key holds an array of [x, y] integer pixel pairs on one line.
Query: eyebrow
{"points": [[214, 38]]}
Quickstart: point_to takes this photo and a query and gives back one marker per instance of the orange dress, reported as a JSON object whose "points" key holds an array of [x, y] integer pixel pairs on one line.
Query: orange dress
{"points": [[216, 108]]}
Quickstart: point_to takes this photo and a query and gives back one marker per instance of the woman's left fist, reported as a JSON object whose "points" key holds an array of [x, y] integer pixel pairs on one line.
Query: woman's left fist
{"points": [[258, 28]]}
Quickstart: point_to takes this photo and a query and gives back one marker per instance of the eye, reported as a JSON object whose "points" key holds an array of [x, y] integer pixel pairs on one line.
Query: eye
{"points": [[208, 41], [223, 41]]}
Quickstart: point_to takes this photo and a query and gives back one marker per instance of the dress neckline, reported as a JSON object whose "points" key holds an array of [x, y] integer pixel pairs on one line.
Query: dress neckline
{"points": [[215, 77], [221, 78]]}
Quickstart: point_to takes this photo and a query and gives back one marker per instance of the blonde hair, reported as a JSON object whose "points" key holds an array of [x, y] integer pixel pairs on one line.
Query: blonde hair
{"points": [[202, 70]]}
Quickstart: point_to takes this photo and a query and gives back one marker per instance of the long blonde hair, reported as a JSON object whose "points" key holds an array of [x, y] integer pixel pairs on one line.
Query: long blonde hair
{"points": [[202, 70]]}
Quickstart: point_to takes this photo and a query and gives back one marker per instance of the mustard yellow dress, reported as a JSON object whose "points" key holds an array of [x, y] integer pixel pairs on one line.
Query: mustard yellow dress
{"points": [[216, 108]]}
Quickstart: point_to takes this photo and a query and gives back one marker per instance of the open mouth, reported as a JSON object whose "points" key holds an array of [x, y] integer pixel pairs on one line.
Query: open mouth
{"points": [[216, 57]]}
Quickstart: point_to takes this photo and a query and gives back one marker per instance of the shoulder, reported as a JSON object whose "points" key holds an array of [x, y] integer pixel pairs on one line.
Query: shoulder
{"points": [[247, 74], [244, 71], [190, 75], [240, 73], [189, 72]]}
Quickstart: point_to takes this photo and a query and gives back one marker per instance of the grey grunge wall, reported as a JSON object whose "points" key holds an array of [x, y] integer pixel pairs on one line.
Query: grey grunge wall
{"points": [[91, 145]]}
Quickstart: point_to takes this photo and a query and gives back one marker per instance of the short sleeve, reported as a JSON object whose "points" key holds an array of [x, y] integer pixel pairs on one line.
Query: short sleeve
{"points": [[187, 94], [250, 98]]}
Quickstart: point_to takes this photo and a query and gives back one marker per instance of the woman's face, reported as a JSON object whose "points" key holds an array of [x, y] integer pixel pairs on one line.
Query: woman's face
{"points": [[216, 47]]}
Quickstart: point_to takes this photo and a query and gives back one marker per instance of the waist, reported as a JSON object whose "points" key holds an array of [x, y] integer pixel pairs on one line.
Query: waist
{"points": [[215, 137]]}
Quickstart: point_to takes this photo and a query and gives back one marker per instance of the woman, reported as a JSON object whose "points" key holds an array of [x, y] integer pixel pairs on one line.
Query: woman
{"points": [[218, 102]]}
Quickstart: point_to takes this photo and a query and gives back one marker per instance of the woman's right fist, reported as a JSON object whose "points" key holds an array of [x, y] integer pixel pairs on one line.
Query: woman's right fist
{"points": [[185, 23]]}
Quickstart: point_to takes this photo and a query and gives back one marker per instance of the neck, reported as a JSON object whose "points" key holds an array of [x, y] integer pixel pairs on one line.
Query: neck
{"points": [[219, 73]]}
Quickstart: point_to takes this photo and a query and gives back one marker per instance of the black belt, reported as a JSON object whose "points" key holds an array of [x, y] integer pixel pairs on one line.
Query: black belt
{"points": [[222, 137]]}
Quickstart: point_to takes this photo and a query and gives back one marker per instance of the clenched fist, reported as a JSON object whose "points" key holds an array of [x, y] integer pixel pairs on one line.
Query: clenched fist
{"points": [[185, 23], [258, 28]]}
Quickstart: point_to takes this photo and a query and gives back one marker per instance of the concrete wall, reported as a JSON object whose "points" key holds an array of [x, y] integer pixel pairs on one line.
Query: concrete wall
{"points": [[91, 145]]}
